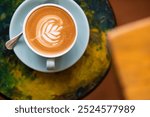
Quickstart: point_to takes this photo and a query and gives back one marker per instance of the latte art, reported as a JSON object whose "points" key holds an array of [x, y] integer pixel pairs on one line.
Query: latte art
{"points": [[49, 30]]}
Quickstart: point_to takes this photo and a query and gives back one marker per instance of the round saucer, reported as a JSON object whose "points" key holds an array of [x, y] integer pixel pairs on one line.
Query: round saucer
{"points": [[36, 62]]}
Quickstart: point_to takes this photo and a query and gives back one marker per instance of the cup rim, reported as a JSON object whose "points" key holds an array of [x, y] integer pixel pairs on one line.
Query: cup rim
{"points": [[54, 55]]}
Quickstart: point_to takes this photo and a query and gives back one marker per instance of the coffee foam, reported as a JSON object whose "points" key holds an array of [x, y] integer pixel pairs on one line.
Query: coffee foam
{"points": [[49, 31]]}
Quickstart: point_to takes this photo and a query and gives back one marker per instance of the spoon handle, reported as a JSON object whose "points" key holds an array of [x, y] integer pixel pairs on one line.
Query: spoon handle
{"points": [[11, 43]]}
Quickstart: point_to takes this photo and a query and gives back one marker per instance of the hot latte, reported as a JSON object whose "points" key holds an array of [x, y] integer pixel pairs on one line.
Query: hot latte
{"points": [[50, 30]]}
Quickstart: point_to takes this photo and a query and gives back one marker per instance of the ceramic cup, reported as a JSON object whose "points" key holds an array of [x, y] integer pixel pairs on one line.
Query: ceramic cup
{"points": [[50, 63]]}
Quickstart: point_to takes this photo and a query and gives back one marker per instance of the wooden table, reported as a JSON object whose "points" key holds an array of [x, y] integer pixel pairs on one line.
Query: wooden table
{"points": [[126, 11]]}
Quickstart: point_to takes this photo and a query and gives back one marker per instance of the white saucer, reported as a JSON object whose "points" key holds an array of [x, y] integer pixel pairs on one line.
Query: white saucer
{"points": [[37, 62]]}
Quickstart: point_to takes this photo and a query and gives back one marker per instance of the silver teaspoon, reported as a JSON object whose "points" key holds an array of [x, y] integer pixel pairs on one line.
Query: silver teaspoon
{"points": [[11, 43]]}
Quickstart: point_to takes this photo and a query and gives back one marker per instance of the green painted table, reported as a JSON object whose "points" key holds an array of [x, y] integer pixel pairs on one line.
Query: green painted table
{"points": [[17, 81]]}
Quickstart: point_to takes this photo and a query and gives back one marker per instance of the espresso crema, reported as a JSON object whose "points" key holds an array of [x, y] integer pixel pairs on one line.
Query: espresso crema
{"points": [[50, 30]]}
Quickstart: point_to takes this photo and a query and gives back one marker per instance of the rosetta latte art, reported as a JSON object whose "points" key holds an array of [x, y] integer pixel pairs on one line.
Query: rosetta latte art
{"points": [[49, 30]]}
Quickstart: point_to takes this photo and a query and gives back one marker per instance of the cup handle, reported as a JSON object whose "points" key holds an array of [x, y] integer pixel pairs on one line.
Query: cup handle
{"points": [[50, 63]]}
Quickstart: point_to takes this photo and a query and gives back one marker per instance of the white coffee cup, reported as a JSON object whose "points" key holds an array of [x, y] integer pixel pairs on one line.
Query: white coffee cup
{"points": [[50, 63]]}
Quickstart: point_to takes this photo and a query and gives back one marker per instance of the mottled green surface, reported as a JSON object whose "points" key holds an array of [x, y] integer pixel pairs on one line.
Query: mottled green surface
{"points": [[17, 81]]}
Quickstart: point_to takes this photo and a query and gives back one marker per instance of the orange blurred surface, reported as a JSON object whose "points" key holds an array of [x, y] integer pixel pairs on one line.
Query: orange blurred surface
{"points": [[112, 87], [130, 47]]}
